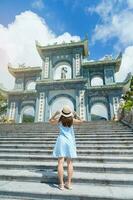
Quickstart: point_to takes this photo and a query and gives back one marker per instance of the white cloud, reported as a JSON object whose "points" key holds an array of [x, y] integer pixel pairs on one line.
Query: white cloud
{"points": [[104, 9], [17, 43], [130, 3], [127, 64], [116, 22], [120, 26], [38, 4]]}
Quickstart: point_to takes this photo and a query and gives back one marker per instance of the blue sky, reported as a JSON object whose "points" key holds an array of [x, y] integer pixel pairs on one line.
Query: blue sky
{"points": [[108, 24], [63, 16]]}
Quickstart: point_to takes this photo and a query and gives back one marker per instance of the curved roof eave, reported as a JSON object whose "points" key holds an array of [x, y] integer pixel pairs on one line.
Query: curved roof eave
{"points": [[83, 43], [15, 71], [127, 82], [115, 62], [4, 92]]}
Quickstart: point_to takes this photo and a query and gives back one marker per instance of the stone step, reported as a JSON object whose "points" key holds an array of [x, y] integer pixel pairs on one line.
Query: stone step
{"points": [[32, 127], [104, 162], [54, 140], [89, 158], [38, 191], [85, 123], [124, 142], [79, 152], [87, 131], [55, 136], [49, 176], [79, 145], [126, 139], [81, 127], [55, 127], [83, 134], [45, 124], [84, 167], [40, 136]]}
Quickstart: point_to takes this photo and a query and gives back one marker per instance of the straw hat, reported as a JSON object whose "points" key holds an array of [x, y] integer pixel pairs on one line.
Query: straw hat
{"points": [[66, 111]]}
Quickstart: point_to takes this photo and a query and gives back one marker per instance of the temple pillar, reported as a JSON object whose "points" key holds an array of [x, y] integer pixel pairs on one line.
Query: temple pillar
{"points": [[86, 107], [46, 116], [17, 112], [89, 78], [111, 107], [46, 65], [82, 110], [40, 107], [12, 111], [77, 64], [89, 108], [115, 107], [36, 109], [77, 101]]}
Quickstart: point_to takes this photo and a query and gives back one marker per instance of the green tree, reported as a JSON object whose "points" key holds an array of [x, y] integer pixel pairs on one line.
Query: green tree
{"points": [[3, 104], [128, 97]]}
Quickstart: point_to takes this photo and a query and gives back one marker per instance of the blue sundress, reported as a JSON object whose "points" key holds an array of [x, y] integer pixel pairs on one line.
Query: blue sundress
{"points": [[65, 145]]}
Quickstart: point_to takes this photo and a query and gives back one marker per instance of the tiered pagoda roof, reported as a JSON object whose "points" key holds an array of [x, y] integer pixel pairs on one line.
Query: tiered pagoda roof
{"points": [[3, 91], [22, 92], [60, 81], [117, 85], [19, 70], [105, 62], [63, 45]]}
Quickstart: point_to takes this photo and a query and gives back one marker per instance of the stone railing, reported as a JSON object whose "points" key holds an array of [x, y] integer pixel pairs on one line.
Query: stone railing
{"points": [[126, 117]]}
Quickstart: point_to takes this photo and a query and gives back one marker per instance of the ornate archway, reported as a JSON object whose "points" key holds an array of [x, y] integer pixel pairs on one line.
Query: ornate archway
{"points": [[99, 111], [27, 114], [59, 101]]}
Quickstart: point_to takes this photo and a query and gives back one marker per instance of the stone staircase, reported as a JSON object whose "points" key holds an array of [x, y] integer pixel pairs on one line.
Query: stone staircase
{"points": [[102, 171]]}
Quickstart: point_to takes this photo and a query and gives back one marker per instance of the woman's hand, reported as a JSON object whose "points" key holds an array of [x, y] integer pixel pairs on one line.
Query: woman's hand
{"points": [[57, 112], [75, 115], [53, 120]]}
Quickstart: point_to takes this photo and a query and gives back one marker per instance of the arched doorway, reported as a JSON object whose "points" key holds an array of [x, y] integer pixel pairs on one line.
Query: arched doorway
{"points": [[58, 104], [27, 114], [99, 112]]}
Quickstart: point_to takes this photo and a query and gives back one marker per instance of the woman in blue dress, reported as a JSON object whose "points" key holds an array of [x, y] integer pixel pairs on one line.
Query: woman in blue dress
{"points": [[65, 146]]}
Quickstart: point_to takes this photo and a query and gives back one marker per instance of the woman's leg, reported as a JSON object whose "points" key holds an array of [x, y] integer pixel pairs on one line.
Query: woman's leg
{"points": [[60, 170], [69, 171]]}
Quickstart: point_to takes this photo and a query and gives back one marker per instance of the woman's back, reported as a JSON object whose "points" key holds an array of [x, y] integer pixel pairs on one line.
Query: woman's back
{"points": [[65, 144], [66, 131]]}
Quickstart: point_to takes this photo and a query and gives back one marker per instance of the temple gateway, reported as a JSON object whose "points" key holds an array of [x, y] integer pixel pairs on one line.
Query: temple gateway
{"points": [[66, 77]]}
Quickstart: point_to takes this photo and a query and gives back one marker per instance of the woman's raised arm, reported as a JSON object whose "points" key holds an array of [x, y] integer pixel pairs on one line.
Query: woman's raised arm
{"points": [[77, 120], [53, 120]]}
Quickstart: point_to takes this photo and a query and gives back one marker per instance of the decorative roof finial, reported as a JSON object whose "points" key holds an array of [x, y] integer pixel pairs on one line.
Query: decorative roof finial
{"points": [[37, 43], [9, 65], [86, 36], [119, 56], [22, 65]]}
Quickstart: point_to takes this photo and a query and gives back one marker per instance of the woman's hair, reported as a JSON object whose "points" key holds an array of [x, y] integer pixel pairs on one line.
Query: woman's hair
{"points": [[66, 121]]}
